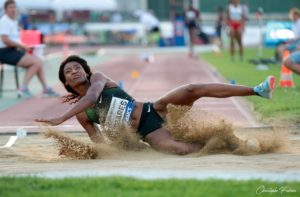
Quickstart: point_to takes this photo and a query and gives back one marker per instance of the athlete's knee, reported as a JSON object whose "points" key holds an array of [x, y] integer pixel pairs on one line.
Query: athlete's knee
{"points": [[195, 89], [181, 150], [191, 88]]}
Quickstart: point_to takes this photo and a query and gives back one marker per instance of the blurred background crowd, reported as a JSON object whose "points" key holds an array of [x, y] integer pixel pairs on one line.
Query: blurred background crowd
{"points": [[119, 22]]}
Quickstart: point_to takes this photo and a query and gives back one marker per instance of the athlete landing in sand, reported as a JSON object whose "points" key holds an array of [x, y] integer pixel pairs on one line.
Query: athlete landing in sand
{"points": [[98, 99]]}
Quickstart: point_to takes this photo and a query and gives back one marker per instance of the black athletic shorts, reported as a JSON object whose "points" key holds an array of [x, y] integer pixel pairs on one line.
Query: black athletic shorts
{"points": [[10, 56], [191, 24], [150, 120]]}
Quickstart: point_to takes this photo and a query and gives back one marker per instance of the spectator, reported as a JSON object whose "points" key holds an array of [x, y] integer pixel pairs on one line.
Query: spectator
{"points": [[294, 15], [293, 61], [192, 20], [14, 53], [151, 25], [236, 20], [245, 7], [294, 44], [219, 24]]}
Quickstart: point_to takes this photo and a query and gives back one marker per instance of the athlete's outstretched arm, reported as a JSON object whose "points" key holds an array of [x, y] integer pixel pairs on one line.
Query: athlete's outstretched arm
{"points": [[98, 82]]}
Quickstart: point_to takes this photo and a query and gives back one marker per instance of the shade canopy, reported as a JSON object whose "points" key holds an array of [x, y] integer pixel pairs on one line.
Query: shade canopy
{"points": [[93, 5]]}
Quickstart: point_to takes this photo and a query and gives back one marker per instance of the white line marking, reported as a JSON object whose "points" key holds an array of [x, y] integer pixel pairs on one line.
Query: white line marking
{"points": [[34, 127], [10, 142]]}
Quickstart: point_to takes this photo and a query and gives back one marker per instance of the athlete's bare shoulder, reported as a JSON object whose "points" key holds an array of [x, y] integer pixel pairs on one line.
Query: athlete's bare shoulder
{"points": [[109, 81]]}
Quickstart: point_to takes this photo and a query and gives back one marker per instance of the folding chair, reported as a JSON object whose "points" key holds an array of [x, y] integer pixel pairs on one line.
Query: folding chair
{"points": [[2, 78]]}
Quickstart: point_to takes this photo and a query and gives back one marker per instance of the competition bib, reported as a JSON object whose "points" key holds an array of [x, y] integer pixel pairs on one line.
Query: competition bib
{"points": [[119, 112]]}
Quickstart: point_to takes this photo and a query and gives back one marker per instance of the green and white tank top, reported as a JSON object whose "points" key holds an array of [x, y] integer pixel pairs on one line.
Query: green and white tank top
{"points": [[113, 107]]}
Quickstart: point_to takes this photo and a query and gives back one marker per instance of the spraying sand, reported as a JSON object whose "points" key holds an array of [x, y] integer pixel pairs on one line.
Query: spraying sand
{"points": [[35, 154], [185, 124], [217, 134], [121, 140]]}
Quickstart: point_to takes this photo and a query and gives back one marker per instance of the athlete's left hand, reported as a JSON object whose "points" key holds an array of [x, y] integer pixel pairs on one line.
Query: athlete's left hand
{"points": [[50, 121]]}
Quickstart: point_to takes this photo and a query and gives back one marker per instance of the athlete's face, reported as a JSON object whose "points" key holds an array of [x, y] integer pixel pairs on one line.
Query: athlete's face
{"points": [[11, 11], [74, 74]]}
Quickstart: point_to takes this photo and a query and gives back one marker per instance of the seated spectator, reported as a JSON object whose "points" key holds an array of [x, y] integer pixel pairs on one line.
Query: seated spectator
{"points": [[294, 44], [14, 53], [292, 62]]}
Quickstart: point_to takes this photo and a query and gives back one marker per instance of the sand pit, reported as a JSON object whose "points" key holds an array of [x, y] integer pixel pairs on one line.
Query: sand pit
{"points": [[196, 126], [35, 154], [277, 159]]}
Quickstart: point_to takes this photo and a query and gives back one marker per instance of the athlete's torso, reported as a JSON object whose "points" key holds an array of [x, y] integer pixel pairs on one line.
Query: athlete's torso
{"points": [[113, 106]]}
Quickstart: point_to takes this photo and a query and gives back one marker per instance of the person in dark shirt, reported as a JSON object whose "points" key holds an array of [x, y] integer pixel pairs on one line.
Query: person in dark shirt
{"points": [[192, 20]]}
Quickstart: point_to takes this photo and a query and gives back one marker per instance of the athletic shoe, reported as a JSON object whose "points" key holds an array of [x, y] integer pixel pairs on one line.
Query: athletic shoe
{"points": [[24, 92], [48, 92], [266, 88]]}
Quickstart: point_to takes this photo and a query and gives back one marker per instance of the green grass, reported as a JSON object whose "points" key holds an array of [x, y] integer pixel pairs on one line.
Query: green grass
{"points": [[285, 104], [120, 186]]}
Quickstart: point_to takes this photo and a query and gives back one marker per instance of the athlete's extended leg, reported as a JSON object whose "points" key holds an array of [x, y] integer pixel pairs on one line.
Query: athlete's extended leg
{"points": [[161, 140], [188, 94]]}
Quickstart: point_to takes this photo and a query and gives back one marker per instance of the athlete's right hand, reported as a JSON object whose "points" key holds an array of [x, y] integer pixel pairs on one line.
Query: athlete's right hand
{"points": [[50, 121]]}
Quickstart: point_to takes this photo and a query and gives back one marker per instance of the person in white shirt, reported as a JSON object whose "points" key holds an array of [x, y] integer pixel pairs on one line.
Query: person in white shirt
{"points": [[13, 52], [293, 44], [236, 20], [294, 15], [150, 23]]}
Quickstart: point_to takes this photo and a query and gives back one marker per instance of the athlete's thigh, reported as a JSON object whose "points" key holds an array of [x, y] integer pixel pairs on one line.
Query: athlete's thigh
{"points": [[161, 140], [178, 96]]}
